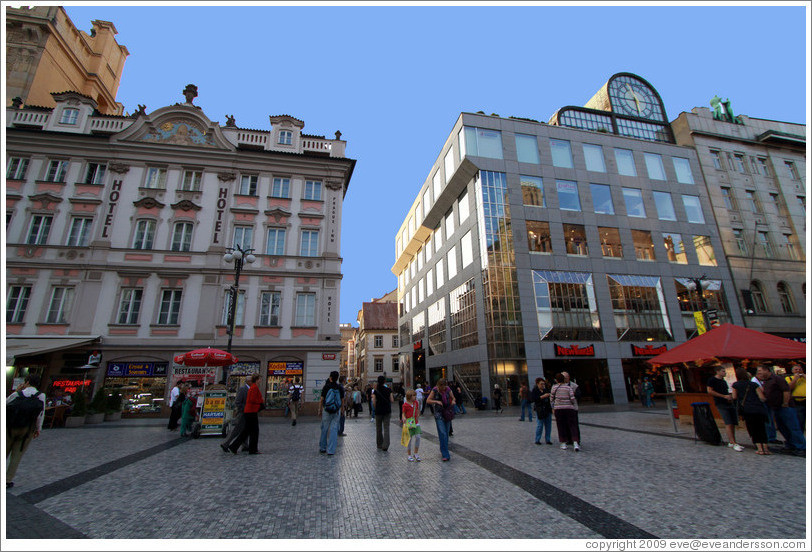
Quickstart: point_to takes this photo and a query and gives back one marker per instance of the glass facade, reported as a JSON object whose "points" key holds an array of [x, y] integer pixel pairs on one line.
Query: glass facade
{"points": [[585, 120], [675, 248], [602, 199], [437, 333], [638, 306], [691, 301], [538, 236], [565, 305], [463, 316], [480, 142], [532, 191], [568, 199]]}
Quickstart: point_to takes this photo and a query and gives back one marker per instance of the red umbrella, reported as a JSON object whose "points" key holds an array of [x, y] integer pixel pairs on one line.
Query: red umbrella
{"points": [[206, 357]]}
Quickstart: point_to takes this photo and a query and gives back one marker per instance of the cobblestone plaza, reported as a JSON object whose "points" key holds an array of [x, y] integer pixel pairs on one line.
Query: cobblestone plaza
{"points": [[634, 478]]}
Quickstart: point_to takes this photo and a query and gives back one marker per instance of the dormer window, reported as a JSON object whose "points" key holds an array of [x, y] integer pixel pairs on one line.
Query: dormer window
{"points": [[285, 137], [69, 116]]}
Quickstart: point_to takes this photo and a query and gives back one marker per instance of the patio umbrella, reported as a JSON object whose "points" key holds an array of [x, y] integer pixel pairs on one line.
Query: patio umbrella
{"points": [[205, 357]]}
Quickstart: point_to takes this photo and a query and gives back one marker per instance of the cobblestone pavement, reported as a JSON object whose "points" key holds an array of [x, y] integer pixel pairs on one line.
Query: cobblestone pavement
{"points": [[634, 478]]}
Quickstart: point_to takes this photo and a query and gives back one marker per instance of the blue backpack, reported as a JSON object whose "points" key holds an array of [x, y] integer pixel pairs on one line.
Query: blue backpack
{"points": [[332, 402]]}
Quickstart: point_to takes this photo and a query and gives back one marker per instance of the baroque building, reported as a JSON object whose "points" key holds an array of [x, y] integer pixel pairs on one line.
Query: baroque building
{"points": [[45, 52], [116, 233], [376, 341], [578, 244]]}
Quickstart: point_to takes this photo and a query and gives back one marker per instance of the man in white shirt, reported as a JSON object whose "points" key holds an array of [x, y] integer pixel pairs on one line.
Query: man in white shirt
{"points": [[175, 412], [18, 438], [295, 393], [420, 397]]}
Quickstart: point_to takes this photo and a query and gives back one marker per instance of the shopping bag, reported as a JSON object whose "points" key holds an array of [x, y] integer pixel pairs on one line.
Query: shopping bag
{"points": [[404, 436], [415, 430]]}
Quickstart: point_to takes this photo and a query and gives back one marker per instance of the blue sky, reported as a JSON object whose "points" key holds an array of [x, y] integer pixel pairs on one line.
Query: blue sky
{"points": [[394, 80]]}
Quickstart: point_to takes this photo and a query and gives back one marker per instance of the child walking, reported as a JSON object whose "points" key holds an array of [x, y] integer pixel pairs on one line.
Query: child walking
{"points": [[409, 416]]}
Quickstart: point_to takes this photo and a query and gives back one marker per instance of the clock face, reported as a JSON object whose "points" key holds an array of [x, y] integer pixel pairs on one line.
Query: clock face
{"points": [[631, 98]]}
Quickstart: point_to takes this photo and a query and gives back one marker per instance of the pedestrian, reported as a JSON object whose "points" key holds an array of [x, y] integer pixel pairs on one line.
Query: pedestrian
{"points": [[797, 388], [421, 397], [188, 412], [369, 402], [723, 399], [442, 399], [357, 401], [524, 397], [750, 400], [459, 396], [648, 393], [238, 419], [382, 401], [329, 409], [540, 398], [772, 435], [345, 404], [565, 407], [410, 418], [639, 389], [576, 391], [25, 412], [779, 401], [250, 431], [175, 403], [497, 398], [399, 395], [295, 393]]}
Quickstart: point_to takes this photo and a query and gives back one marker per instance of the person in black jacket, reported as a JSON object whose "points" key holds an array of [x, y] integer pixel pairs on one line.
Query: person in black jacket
{"points": [[382, 400], [540, 397], [238, 421]]}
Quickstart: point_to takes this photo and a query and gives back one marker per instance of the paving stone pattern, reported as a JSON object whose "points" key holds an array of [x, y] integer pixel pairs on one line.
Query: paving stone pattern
{"points": [[635, 477]]}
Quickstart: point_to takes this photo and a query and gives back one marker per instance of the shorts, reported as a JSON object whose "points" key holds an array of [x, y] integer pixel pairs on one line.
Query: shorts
{"points": [[728, 412]]}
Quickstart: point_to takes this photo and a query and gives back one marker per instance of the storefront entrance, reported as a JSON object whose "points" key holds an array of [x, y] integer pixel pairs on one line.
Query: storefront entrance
{"points": [[634, 370], [591, 375]]}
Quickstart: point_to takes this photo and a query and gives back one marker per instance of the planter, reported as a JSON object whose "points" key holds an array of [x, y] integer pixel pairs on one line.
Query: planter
{"points": [[114, 417], [74, 421], [94, 418]]}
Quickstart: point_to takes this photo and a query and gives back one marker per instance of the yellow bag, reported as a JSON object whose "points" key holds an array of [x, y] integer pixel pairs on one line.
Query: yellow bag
{"points": [[404, 436]]}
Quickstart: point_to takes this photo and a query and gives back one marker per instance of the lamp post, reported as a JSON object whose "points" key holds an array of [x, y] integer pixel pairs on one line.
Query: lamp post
{"points": [[239, 257], [700, 285]]}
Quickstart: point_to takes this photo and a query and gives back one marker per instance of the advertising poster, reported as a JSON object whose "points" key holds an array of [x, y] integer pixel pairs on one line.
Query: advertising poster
{"points": [[193, 376], [214, 410]]}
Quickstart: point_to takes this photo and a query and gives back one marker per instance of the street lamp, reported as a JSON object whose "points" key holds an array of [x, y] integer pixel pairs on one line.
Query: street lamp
{"points": [[239, 257], [700, 285]]}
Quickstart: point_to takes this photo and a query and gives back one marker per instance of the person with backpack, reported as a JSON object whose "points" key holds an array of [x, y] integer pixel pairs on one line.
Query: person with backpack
{"points": [[332, 397], [382, 400], [295, 399], [442, 399], [25, 412]]}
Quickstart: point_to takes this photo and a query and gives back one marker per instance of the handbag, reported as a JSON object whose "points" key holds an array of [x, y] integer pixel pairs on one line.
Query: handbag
{"points": [[404, 436]]}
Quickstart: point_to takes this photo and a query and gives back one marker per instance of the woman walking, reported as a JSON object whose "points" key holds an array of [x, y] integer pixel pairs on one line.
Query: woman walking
{"points": [[497, 398], [565, 408], [750, 398], [442, 399]]}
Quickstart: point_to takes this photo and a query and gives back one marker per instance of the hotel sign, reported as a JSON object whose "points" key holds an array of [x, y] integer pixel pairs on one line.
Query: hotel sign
{"points": [[648, 350], [574, 350]]}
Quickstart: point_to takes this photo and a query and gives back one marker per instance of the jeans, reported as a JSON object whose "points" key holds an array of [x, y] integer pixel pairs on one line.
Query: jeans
{"points": [[770, 425], [442, 435], [341, 422], [529, 406], [547, 425], [329, 432], [460, 408], [382, 430], [371, 410], [800, 410], [787, 422]]}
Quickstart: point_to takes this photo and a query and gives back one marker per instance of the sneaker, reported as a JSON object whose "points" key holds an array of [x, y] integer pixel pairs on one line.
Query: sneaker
{"points": [[736, 447], [549, 442], [576, 446], [410, 458], [322, 452], [563, 446], [538, 442], [446, 459], [417, 458]]}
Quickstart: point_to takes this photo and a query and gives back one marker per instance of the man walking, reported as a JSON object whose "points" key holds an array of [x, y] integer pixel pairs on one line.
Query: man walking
{"points": [[723, 399], [295, 392], [797, 387], [382, 404], [332, 397], [779, 401], [24, 422], [238, 422], [253, 404]]}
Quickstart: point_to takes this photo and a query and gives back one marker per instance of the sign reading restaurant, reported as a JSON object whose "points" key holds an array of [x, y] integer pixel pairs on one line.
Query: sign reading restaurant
{"points": [[648, 350], [574, 350]]}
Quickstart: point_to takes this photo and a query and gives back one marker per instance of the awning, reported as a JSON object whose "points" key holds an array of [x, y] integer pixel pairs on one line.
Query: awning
{"points": [[19, 346]]}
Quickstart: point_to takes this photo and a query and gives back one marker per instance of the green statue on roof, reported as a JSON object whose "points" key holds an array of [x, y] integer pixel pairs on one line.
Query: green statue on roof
{"points": [[723, 112]]}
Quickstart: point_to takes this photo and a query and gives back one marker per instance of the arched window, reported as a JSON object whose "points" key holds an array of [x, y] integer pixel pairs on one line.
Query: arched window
{"points": [[759, 301], [785, 296]]}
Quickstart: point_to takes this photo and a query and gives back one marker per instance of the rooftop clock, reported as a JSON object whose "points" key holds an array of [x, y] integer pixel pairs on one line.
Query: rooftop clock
{"points": [[633, 96]]}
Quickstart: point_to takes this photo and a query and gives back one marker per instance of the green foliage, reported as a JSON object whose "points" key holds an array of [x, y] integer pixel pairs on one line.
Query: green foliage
{"points": [[99, 403], [114, 402], [79, 404]]}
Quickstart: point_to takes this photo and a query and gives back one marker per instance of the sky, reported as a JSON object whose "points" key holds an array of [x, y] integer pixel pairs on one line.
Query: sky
{"points": [[394, 79]]}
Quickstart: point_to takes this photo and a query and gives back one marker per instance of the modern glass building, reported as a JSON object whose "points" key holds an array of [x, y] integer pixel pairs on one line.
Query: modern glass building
{"points": [[534, 248]]}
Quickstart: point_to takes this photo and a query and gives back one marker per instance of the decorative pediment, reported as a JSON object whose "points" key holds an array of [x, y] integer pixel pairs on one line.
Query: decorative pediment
{"points": [[334, 185], [45, 199], [118, 168], [149, 203], [186, 205], [226, 176], [180, 132], [182, 125], [277, 214]]}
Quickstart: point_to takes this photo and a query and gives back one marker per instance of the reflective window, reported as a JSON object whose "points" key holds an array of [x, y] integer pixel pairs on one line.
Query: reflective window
{"points": [[248, 185], [437, 185], [437, 333], [305, 309], [538, 237], [602, 199], [625, 162], [426, 202], [683, 169], [16, 167], [481, 142], [582, 119], [270, 304], [144, 234], [643, 245], [57, 171], [728, 199], [182, 236], [610, 242], [156, 178], [751, 201], [691, 301], [79, 234], [562, 154], [766, 245], [739, 162], [665, 207], [704, 251], [741, 243], [94, 174], [191, 181], [759, 300], [716, 158], [59, 305], [239, 309], [568, 199], [312, 190], [309, 244], [654, 165], [693, 209], [527, 149], [449, 164], [634, 202], [575, 239], [464, 208], [129, 306], [463, 316], [789, 246], [638, 304], [593, 157], [170, 307], [16, 303], [451, 258], [69, 116], [243, 237], [785, 297], [674, 248], [276, 241], [565, 305], [280, 188], [467, 249], [532, 191]]}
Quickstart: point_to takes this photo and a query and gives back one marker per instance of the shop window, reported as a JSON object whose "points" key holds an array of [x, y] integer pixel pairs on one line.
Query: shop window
{"points": [[575, 239], [566, 307], [610, 242], [538, 237], [643, 245], [638, 305]]}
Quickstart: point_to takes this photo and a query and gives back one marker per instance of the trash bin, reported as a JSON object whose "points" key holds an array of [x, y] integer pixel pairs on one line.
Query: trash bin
{"points": [[704, 425]]}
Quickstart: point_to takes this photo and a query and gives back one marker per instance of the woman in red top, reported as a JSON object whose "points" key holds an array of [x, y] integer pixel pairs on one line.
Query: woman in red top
{"points": [[253, 404], [410, 415]]}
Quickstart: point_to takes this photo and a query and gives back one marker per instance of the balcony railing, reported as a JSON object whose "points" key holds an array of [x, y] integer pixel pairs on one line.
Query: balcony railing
{"points": [[317, 144], [253, 138], [99, 124], [32, 118]]}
